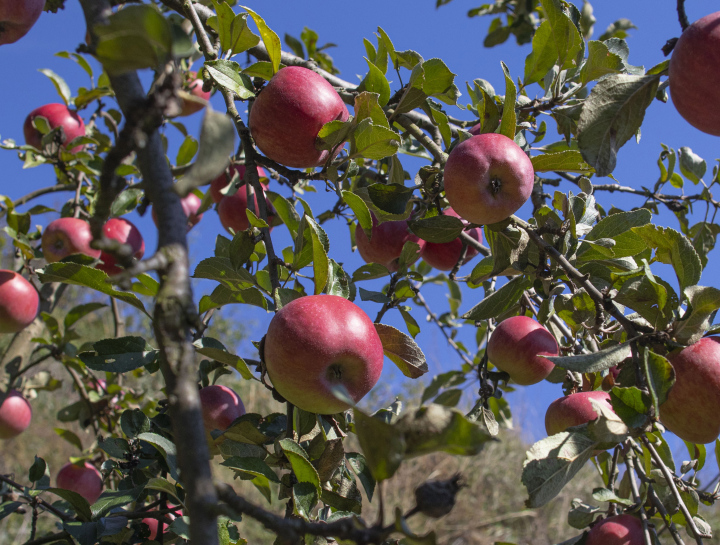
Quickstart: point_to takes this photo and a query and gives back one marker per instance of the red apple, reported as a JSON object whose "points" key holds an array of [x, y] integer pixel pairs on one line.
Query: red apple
{"points": [[386, 243], [190, 205], [288, 114], [19, 302], [83, 479], [220, 407], [488, 178], [617, 530], [67, 236], [125, 232], [573, 410], [517, 345], [231, 210], [153, 523], [192, 96], [57, 115], [695, 74], [691, 410], [15, 414], [17, 17], [226, 177], [444, 255], [475, 129], [317, 342]]}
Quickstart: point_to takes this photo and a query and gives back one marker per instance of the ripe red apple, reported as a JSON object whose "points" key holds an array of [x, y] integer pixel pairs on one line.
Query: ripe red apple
{"points": [[226, 177], [153, 523], [67, 236], [488, 178], [19, 302], [231, 210], [517, 346], [690, 411], [190, 205], [83, 479], [319, 341], [57, 115], [125, 232], [289, 113], [15, 415], [695, 74], [17, 17], [220, 407], [192, 97], [573, 410], [386, 243], [617, 530], [444, 255]]}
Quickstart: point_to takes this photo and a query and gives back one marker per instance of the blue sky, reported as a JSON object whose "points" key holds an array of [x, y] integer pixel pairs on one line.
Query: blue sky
{"points": [[412, 24]]}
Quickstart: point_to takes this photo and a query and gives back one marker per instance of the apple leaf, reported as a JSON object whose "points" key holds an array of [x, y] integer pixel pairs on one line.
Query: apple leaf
{"points": [[703, 301], [552, 462], [285, 210], [251, 465], [270, 39], [600, 62], [372, 141], [391, 198], [358, 464], [611, 115], [305, 497], [298, 458], [439, 81], [215, 350], [221, 269], [361, 211], [509, 117], [228, 74], [499, 301], [438, 229], [593, 362], [402, 350], [79, 504], [367, 106], [375, 82], [631, 405], [320, 247], [111, 500], [562, 161], [382, 445], [61, 86], [119, 355], [339, 282]]}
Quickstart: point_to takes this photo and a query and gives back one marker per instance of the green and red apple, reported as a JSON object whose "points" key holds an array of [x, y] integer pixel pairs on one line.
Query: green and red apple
{"points": [[573, 410], [67, 236], [57, 115], [15, 414], [17, 17], [445, 255], [222, 181], [124, 232], [82, 478], [221, 406], [19, 302], [617, 530], [192, 97], [386, 244]]}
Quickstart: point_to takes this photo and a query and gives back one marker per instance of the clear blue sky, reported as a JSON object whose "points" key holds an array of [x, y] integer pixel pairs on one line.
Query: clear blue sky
{"points": [[412, 24]]}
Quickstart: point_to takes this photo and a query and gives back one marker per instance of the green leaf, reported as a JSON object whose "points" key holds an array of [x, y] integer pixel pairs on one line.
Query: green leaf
{"points": [[702, 301], [228, 74], [270, 39], [333, 134], [438, 229], [382, 446], [391, 198], [593, 362], [305, 497], [375, 82], [631, 405], [260, 69], [402, 351], [562, 161], [611, 115], [339, 282], [60, 86], [439, 81], [166, 448], [361, 211], [215, 350], [607, 495], [80, 311], [692, 166], [370, 271], [320, 246], [119, 355], [367, 106], [251, 466], [242, 37], [301, 466], [509, 117], [70, 437], [79, 504], [358, 464], [372, 141], [222, 295], [499, 301], [600, 63]]}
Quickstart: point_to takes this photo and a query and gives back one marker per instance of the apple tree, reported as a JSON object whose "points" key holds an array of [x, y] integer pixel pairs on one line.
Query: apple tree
{"points": [[570, 292]]}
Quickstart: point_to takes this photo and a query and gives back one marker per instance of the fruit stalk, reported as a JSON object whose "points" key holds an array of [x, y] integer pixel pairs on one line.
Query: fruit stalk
{"points": [[636, 497]]}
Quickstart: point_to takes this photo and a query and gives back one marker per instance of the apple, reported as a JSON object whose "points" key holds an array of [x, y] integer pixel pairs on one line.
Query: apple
{"points": [[617, 530], [444, 255], [57, 115], [17, 17], [695, 74], [66, 236], [15, 415], [226, 177], [125, 232], [83, 479], [318, 342], [517, 345], [231, 210], [386, 244], [153, 523], [288, 114], [488, 178], [220, 407], [192, 96], [190, 205], [573, 410], [690, 411], [19, 302]]}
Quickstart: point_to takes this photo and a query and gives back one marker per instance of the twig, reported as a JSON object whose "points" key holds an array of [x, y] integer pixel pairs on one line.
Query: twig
{"points": [[45, 505], [682, 16], [407, 123], [52, 538], [470, 241], [638, 500]]}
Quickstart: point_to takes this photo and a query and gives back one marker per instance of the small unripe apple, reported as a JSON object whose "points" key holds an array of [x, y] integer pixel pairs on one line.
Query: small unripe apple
{"points": [[17, 17], [288, 114], [19, 302], [57, 115], [695, 74], [691, 410], [15, 415], [190, 205], [192, 96], [221, 406], [153, 523], [387, 242], [617, 530], [83, 479], [573, 410], [125, 232], [517, 345], [231, 210], [488, 178], [66, 236], [444, 255], [317, 342], [222, 181]]}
